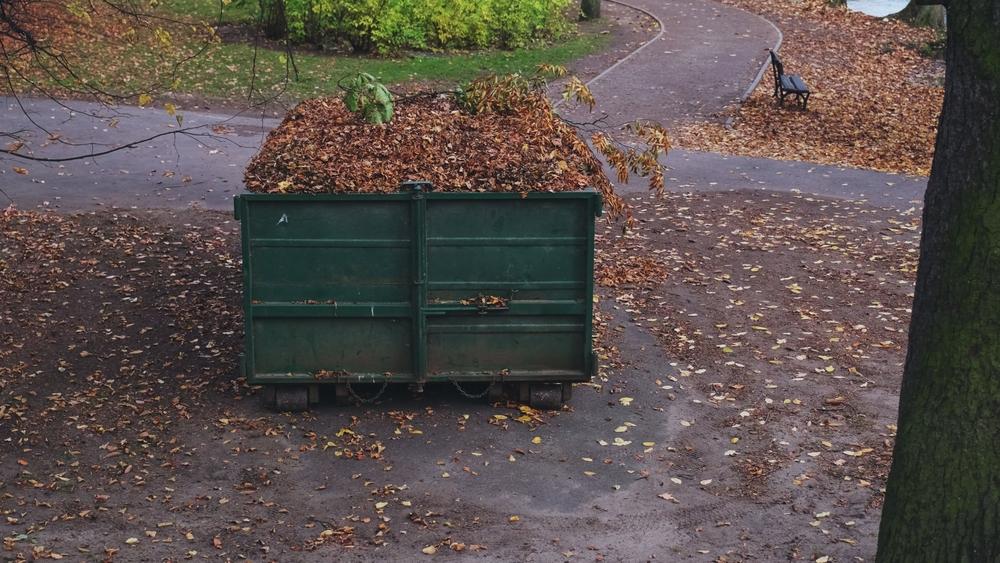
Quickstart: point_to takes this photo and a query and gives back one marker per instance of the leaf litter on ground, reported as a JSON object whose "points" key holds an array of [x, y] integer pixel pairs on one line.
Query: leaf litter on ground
{"points": [[876, 93]]}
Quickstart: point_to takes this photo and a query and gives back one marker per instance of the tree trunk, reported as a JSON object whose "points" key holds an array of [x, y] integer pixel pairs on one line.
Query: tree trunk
{"points": [[590, 9], [272, 18], [942, 499], [922, 15]]}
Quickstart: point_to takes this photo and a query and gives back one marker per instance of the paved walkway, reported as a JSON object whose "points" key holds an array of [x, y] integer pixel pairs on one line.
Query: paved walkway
{"points": [[703, 60]]}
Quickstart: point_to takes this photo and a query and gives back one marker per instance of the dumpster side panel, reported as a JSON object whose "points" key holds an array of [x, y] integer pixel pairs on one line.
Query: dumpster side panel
{"points": [[531, 255], [330, 287], [348, 287], [344, 251], [357, 346]]}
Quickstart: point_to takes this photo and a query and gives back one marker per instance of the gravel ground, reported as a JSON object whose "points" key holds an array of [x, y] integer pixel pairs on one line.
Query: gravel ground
{"points": [[751, 351]]}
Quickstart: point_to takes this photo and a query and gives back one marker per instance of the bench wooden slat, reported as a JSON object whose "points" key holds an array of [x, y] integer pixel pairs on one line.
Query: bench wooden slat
{"points": [[786, 84], [793, 83]]}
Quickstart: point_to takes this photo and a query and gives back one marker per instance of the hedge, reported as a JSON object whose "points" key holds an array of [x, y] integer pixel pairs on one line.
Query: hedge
{"points": [[386, 26]]}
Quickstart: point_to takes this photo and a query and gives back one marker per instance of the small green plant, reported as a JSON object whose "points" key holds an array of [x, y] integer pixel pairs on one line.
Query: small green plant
{"points": [[367, 97]]}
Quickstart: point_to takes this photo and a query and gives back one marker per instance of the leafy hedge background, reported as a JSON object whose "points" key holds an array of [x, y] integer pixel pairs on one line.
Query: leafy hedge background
{"points": [[386, 26]]}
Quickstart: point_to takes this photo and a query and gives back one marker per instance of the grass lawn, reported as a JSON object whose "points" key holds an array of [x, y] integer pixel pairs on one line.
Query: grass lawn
{"points": [[223, 70], [238, 11]]}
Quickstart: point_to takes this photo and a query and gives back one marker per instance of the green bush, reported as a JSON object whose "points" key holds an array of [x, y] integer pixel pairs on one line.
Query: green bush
{"points": [[386, 26]]}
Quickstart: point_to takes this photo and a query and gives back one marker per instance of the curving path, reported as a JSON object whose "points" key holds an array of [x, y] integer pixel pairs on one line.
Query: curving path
{"points": [[702, 60]]}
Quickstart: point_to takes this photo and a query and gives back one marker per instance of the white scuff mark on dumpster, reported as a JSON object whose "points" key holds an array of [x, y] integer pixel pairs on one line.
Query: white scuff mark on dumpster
{"points": [[284, 218], [373, 310]]}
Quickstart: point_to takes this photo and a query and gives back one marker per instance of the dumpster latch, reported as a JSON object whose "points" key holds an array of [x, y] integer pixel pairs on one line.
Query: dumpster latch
{"points": [[482, 304], [491, 303], [416, 186]]}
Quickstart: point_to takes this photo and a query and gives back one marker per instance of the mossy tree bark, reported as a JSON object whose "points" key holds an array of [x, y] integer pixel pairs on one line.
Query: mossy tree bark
{"points": [[943, 495], [922, 15], [272, 18], [590, 9]]}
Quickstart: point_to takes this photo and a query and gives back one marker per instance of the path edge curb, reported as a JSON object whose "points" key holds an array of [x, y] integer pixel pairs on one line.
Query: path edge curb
{"points": [[760, 73], [763, 67], [647, 43]]}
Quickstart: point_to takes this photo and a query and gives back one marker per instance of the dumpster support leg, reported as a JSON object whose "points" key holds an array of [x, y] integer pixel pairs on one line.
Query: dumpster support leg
{"points": [[418, 218]]}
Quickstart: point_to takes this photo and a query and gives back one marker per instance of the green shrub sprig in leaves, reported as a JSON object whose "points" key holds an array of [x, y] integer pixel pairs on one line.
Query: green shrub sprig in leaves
{"points": [[367, 97]]}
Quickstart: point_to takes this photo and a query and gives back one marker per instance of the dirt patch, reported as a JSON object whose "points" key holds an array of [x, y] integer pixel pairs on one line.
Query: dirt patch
{"points": [[766, 423], [875, 98], [789, 314]]}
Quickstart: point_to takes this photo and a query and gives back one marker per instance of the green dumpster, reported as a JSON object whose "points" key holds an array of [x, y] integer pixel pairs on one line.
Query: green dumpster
{"points": [[418, 286]]}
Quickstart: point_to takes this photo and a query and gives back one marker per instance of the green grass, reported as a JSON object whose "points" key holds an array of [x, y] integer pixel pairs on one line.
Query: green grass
{"points": [[224, 70], [318, 74]]}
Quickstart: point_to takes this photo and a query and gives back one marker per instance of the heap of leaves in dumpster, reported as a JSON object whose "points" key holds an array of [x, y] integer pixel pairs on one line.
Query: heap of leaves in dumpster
{"points": [[321, 147]]}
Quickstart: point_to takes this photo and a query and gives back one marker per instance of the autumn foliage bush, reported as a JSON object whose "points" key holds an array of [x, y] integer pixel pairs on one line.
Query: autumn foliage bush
{"points": [[386, 26]]}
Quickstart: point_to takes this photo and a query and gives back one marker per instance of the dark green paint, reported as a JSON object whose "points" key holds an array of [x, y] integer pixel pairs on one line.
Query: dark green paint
{"points": [[348, 287]]}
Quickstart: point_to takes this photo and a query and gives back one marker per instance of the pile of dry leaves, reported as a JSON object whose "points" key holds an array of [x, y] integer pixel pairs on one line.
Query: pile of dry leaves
{"points": [[322, 147], [875, 95]]}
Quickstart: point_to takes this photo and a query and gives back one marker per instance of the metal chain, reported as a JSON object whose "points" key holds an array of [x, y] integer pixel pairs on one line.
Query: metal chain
{"points": [[468, 395], [385, 385]]}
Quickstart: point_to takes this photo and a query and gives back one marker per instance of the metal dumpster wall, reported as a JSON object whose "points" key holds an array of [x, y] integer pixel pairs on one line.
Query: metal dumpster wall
{"points": [[418, 286]]}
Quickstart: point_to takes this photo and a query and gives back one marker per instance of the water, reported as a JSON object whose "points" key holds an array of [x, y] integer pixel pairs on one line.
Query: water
{"points": [[877, 8]]}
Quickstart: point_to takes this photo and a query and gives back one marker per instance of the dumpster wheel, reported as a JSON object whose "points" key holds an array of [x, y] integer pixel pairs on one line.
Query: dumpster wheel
{"points": [[291, 398], [549, 396], [267, 396]]}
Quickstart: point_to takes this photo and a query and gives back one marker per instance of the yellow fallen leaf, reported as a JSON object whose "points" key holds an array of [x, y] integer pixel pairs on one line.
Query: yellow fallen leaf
{"points": [[536, 440], [625, 401]]}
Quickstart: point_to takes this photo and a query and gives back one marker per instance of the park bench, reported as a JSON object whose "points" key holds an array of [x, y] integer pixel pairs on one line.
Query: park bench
{"points": [[788, 84]]}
